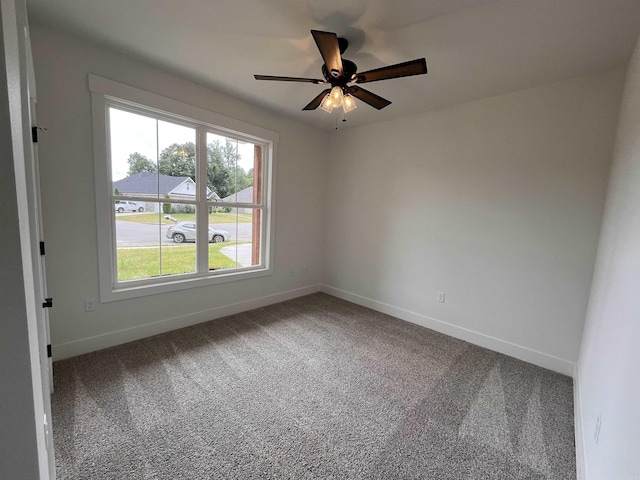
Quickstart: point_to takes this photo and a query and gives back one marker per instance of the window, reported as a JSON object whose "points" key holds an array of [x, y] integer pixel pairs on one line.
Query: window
{"points": [[183, 194]]}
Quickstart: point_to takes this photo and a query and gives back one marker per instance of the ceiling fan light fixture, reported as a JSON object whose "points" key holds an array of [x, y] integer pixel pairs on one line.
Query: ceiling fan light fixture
{"points": [[348, 103]]}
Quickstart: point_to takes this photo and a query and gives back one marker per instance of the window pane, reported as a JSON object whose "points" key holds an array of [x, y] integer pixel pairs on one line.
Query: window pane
{"points": [[134, 145], [179, 239], [176, 161], [243, 249], [138, 240], [230, 167], [151, 158], [151, 243]]}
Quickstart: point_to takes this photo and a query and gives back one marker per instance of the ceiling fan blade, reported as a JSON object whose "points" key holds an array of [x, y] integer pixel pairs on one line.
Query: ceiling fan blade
{"points": [[315, 103], [288, 79], [406, 69], [368, 97], [327, 43]]}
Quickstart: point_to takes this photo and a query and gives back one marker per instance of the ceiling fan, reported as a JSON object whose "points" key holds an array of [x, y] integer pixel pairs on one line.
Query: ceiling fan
{"points": [[340, 73]]}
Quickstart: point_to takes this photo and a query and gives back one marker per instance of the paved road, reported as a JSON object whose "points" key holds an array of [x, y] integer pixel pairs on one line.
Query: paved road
{"points": [[133, 234]]}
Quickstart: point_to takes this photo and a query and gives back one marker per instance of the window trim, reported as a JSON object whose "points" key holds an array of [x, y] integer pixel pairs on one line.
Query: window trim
{"points": [[105, 92]]}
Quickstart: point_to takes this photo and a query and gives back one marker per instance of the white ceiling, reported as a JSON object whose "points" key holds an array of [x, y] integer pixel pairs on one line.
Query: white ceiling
{"points": [[474, 48]]}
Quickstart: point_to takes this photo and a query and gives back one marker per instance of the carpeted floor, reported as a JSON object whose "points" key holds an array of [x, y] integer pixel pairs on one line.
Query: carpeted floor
{"points": [[311, 388]]}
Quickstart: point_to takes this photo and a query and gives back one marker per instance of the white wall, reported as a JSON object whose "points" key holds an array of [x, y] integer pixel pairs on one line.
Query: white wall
{"points": [[62, 64], [609, 366], [497, 203]]}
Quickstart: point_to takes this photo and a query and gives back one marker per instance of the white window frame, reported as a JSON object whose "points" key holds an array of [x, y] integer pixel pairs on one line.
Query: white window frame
{"points": [[106, 93]]}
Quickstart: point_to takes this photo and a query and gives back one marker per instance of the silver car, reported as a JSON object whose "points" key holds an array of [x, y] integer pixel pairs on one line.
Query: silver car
{"points": [[186, 232], [128, 206]]}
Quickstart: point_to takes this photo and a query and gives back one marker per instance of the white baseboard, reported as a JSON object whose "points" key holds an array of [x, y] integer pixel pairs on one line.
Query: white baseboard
{"points": [[520, 352], [581, 466], [118, 337]]}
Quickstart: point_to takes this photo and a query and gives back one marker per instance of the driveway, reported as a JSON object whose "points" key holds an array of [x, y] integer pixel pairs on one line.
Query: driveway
{"points": [[240, 253]]}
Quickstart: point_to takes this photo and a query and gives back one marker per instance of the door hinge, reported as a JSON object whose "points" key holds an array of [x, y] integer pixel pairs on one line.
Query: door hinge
{"points": [[41, 248], [34, 133], [48, 303], [49, 355]]}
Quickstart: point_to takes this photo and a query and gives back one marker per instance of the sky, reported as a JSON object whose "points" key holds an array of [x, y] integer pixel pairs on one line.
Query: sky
{"points": [[131, 133]]}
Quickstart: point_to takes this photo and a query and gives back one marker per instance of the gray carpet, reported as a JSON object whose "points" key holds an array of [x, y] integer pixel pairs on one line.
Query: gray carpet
{"points": [[311, 388]]}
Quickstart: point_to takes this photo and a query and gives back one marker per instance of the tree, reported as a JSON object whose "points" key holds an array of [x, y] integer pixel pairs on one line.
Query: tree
{"points": [[218, 174], [178, 160], [224, 174], [166, 207], [139, 163]]}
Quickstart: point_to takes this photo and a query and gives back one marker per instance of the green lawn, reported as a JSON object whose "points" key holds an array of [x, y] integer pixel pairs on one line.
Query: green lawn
{"points": [[153, 218], [144, 262]]}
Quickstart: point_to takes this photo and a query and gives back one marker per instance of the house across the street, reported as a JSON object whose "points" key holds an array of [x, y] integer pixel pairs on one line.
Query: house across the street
{"points": [[156, 186], [243, 196]]}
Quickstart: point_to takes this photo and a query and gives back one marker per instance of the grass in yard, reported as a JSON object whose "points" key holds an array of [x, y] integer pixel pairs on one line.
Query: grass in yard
{"points": [[181, 217], [144, 262]]}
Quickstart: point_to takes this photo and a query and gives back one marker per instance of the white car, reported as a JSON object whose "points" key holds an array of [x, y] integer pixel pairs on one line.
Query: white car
{"points": [[186, 232], [128, 206]]}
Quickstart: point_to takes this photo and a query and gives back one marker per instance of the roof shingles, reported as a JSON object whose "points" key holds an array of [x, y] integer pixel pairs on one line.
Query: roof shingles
{"points": [[148, 183]]}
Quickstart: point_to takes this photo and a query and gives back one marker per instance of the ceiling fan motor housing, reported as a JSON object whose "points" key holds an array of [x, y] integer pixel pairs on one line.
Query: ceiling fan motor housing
{"points": [[348, 74]]}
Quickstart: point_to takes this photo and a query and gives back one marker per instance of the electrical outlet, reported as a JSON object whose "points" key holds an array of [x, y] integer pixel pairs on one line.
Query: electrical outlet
{"points": [[90, 305], [441, 297], [596, 433]]}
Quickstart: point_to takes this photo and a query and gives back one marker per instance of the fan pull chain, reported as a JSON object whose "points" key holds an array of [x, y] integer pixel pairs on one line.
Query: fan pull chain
{"points": [[344, 119]]}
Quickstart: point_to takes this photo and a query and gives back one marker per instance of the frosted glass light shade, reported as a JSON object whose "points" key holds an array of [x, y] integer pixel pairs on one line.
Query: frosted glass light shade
{"points": [[336, 96], [327, 104], [348, 103]]}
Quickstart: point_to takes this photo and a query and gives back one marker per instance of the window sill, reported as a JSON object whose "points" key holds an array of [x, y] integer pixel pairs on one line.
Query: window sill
{"points": [[137, 289]]}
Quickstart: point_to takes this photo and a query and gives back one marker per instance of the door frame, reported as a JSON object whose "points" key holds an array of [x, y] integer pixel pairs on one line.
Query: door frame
{"points": [[18, 67], [36, 240]]}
